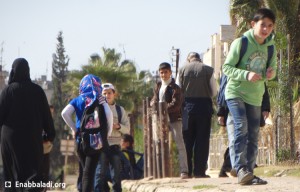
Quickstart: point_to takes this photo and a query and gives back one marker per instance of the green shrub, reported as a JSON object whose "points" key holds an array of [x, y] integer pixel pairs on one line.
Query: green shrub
{"points": [[283, 155]]}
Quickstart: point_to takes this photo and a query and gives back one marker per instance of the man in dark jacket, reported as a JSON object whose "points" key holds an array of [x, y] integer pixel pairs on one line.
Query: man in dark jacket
{"points": [[167, 91], [24, 114], [198, 86]]}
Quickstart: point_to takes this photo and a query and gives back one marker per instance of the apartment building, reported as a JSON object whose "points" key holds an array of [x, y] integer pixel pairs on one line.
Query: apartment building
{"points": [[216, 53]]}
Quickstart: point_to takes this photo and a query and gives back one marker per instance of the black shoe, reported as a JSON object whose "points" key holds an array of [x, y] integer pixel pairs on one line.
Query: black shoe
{"points": [[258, 181], [244, 176], [223, 174], [233, 173], [202, 176]]}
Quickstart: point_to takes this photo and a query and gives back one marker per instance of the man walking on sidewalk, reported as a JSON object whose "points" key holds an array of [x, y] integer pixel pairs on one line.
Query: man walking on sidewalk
{"points": [[198, 86]]}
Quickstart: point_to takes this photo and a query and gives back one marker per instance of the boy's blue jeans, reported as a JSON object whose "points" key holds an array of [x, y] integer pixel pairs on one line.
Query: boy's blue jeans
{"points": [[230, 133], [246, 119]]}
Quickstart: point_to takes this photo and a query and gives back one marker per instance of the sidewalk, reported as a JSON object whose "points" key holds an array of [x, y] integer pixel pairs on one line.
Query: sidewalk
{"points": [[213, 184]]}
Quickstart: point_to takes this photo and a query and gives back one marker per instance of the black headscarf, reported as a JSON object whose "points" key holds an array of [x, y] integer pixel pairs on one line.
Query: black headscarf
{"points": [[19, 71]]}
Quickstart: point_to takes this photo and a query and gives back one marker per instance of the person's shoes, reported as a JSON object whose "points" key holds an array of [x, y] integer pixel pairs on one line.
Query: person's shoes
{"points": [[258, 181], [222, 173], [184, 176], [202, 176], [233, 173], [244, 176]]}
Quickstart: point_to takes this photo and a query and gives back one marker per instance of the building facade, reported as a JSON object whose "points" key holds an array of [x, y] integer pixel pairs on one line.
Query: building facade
{"points": [[216, 54]]}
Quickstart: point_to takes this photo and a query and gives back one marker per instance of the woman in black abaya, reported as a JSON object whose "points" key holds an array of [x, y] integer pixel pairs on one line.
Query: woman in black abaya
{"points": [[24, 114]]}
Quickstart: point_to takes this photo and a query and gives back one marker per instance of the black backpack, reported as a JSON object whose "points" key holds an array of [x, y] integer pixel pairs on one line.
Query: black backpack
{"points": [[223, 81], [119, 112], [94, 129]]}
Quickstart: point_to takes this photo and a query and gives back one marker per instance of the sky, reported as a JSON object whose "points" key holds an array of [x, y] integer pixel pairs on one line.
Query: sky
{"points": [[142, 31]]}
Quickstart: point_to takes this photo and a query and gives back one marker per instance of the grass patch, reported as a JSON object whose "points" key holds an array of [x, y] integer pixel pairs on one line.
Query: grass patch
{"points": [[294, 172], [271, 171], [204, 186]]}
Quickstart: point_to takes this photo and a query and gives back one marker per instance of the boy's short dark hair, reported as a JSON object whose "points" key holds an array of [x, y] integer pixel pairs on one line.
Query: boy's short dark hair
{"points": [[164, 65], [128, 138], [264, 13]]}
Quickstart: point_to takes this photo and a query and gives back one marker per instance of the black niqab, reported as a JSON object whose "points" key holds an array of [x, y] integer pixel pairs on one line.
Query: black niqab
{"points": [[19, 71]]}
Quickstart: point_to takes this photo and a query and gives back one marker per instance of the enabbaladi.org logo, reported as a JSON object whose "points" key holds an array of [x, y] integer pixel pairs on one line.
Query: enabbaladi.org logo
{"points": [[32, 184]]}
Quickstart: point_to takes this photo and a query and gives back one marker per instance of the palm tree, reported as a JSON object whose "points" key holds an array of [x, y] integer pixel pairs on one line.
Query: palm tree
{"points": [[123, 75], [241, 12], [108, 69], [111, 58]]}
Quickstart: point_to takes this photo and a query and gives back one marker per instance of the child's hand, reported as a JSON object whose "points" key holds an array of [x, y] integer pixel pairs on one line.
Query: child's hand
{"points": [[221, 121], [151, 103], [102, 99], [253, 77], [265, 114], [116, 126], [269, 73]]}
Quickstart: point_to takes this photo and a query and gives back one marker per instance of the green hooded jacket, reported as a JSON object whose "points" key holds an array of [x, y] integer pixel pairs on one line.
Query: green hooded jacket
{"points": [[255, 60]]}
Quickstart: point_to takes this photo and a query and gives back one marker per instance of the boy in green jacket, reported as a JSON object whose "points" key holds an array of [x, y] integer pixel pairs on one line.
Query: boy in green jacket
{"points": [[245, 89]]}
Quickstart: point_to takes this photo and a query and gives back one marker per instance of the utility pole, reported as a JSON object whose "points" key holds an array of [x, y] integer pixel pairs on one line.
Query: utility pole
{"points": [[1, 55], [176, 54], [2, 77]]}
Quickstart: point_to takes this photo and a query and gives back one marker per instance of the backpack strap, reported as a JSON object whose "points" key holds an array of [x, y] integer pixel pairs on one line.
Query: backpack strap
{"points": [[270, 54], [221, 96], [243, 49], [119, 113]]}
